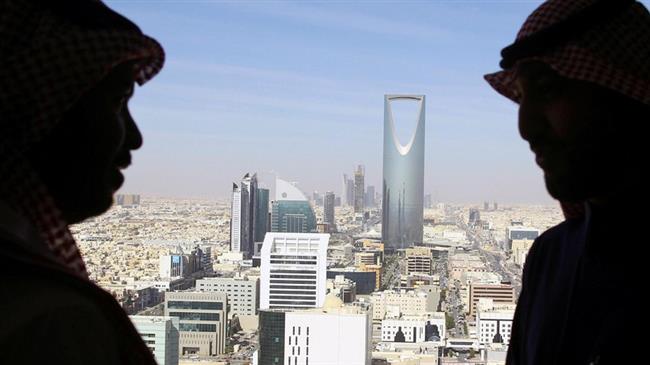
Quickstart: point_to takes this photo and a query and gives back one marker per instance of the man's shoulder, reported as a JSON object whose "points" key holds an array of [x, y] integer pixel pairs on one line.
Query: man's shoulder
{"points": [[553, 237]]}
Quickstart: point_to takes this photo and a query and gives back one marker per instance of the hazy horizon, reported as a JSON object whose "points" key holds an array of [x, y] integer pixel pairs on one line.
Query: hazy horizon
{"points": [[296, 89]]}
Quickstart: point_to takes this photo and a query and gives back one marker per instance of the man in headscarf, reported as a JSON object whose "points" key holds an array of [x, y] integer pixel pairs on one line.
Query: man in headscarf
{"points": [[580, 72], [67, 71]]}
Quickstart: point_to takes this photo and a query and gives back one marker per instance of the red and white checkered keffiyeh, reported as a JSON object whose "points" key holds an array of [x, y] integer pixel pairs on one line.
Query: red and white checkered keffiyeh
{"points": [[613, 53], [47, 62]]}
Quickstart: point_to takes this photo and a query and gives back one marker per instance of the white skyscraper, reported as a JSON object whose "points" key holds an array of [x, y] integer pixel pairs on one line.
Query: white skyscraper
{"points": [[294, 270], [243, 209]]}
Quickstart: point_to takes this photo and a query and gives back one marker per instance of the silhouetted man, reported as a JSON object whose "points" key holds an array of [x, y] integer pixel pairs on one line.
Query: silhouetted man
{"points": [[580, 72], [67, 71]]}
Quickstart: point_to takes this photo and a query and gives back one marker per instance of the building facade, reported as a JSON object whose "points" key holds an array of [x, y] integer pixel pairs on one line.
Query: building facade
{"points": [[403, 179], [328, 210], [171, 266], [336, 334], [291, 211], [262, 214], [203, 319], [243, 209], [418, 261], [500, 294], [161, 336], [243, 293], [293, 269]]}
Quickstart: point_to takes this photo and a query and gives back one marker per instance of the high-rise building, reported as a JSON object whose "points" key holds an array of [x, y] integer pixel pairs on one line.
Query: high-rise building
{"points": [[293, 270], [161, 336], [242, 222], [262, 214], [370, 196], [202, 321], [359, 189], [336, 334], [329, 210], [348, 191], [172, 266], [243, 293], [486, 206], [403, 179], [291, 211]]}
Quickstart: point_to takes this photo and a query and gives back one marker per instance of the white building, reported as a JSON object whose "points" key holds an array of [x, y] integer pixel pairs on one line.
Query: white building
{"points": [[202, 321], [243, 293], [421, 328], [236, 219], [335, 334], [495, 325], [161, 336], [293, 270]]}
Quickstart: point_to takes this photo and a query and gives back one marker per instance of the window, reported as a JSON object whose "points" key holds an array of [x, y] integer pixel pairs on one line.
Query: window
{"points": [[193, 316], [176, 304]]}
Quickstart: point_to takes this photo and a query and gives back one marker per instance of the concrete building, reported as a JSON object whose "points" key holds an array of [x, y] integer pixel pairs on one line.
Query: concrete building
{"points": [[202, 321], [500, 294], [494, 323], [294, 270], [243, 293], [367, 258], [418, 261], [127, 200], [422, 328], [335, 334], [403, 178], [402, 302], [161, 336]]}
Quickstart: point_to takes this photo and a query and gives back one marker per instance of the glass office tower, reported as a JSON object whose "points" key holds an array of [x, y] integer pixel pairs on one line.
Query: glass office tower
{"points": [[403, 179]]}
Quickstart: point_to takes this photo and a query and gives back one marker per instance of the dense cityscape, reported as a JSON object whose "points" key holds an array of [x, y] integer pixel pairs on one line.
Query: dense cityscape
{"points": [[351, 275]]}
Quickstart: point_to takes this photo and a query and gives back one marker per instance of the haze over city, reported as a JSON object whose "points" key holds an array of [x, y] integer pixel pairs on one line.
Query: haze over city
{"points": [[296, 89]]}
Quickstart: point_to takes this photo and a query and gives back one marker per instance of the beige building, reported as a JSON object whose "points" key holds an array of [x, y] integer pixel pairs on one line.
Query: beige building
{"points": [[520, 250], [418, 261], [398, 302], [202, 321]]}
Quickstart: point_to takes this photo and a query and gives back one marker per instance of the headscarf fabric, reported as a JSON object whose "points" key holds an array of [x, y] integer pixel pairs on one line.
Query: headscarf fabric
{"points": [[51, 54]]}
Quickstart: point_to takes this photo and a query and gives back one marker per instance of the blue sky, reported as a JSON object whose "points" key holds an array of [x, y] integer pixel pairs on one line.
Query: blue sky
{"points": [[296, 88]]}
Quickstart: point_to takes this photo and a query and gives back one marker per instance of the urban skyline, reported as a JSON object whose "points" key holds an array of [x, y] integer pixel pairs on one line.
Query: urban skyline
{"points": [[295, 77]]}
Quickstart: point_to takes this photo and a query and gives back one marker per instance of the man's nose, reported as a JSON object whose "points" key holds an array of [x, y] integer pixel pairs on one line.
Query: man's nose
{"points": [[132, 137], [531, 119]]}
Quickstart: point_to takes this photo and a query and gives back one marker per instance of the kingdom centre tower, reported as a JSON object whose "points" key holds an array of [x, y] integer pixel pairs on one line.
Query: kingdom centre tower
{"points": [[403, 179]]}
